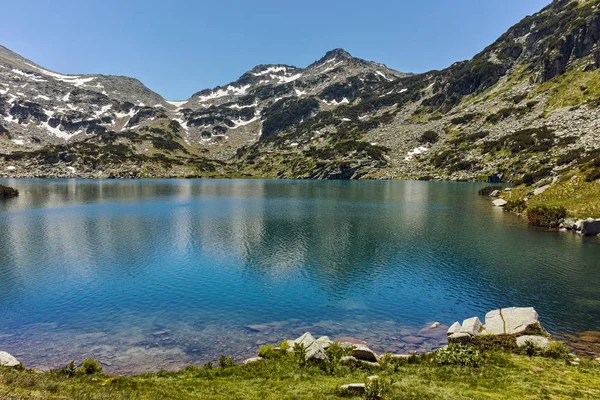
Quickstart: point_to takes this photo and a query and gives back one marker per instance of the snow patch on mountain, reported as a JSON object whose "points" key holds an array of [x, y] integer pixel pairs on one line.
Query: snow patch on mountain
{"points": [[228, 91], [270, 70], [75, 80], [411, 154], [177, 104]]}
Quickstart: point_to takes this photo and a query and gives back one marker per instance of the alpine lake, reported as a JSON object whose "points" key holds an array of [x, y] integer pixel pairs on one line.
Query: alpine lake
{"points": [[145, 275]]}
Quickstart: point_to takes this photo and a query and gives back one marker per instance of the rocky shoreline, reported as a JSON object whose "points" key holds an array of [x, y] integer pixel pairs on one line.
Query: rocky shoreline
{"points": [[513, 328], [584, 227]]}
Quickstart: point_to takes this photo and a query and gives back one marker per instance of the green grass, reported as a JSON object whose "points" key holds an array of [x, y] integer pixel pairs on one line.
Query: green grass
{"points": [[501, 376], [580, 198], [572, 88]]}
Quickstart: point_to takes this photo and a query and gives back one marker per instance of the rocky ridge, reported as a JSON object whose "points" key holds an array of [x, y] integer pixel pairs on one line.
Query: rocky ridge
{"points": [[524, 110]]}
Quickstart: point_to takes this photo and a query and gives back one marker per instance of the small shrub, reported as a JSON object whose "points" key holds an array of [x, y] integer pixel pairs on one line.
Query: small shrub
{"points": [[463, 119], [490, 343], [284, 346], [530, 349], [568, 158], [556, 350], [69, 369], [375, 388], [517, 206], [300, 354], [269, 352], [592, 175], [546, 216], [90, 367], [386, 360], [456, 354], [335, 352], [208, 366], [191, 369], [486, 191], [226, 362], [429, 137]]}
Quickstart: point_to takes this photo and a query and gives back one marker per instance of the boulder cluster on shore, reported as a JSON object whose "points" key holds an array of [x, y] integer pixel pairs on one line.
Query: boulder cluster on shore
{"points": [[518, 327], [522, 323], [587, 227]]}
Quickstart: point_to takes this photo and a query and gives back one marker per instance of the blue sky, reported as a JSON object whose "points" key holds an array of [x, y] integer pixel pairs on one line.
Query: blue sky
{"points": [[182, 46]]}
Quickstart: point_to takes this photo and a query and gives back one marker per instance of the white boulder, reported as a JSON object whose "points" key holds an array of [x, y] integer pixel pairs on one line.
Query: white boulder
{"points": [[512, 321], [6, 360], [500, 202], [454, 328], [472, 326]]}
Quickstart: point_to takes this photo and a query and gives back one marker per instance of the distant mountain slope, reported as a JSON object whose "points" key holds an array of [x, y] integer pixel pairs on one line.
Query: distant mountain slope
{"points": [[525, 109]]}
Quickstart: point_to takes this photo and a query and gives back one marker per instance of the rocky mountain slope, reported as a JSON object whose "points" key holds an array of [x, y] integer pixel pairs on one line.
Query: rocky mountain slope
{"points": [[524, 110]]}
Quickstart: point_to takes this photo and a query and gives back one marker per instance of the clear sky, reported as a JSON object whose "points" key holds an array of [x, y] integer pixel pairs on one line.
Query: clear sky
{"points": [[179, 47]]}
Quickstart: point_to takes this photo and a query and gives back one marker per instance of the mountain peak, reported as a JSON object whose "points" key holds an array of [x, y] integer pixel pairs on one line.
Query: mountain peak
{"points": [[337, 53]]}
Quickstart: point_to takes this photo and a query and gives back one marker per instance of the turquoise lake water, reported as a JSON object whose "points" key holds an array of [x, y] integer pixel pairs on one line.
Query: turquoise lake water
{"points": [[159, 274]]}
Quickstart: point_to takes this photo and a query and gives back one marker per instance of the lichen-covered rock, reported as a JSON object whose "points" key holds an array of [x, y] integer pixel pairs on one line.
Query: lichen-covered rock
{"points": [[513, 321]]}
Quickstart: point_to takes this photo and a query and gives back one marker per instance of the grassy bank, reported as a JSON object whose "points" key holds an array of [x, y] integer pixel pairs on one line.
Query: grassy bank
{"points": [[498, 376]]}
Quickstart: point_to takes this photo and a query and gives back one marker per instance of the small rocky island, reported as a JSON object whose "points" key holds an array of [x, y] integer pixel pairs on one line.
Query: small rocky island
{"points": [[8, 192]]}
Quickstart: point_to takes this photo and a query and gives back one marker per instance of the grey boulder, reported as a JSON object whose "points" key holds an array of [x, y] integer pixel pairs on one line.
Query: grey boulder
{"points": [[357, 388], [314, 350], [364, 353], [538, 341], [472, 326]]}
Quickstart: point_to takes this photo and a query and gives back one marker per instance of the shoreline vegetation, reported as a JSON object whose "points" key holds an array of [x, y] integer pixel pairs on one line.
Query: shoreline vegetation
{"points": [[554, 207], [511, 356]]}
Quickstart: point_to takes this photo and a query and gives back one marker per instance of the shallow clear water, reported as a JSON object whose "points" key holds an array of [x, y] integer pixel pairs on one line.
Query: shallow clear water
{"points": [[145, 275]]}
